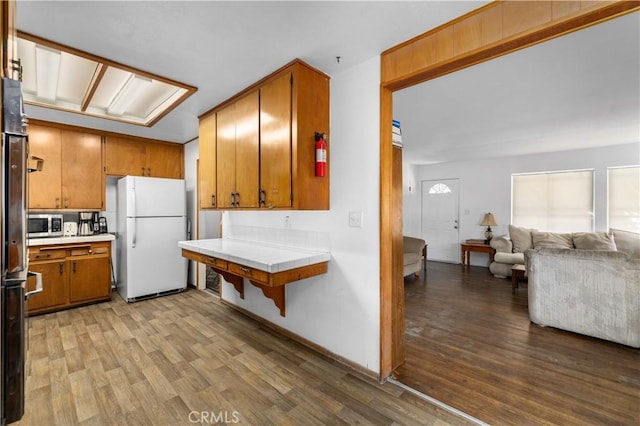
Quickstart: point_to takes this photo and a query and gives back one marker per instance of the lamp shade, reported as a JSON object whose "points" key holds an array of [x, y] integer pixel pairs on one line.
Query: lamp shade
{"points": [[488, 220]]}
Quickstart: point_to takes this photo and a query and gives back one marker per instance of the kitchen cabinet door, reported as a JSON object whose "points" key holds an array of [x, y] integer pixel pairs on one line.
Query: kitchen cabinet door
{"points": [[54, 286], [82, 176], [89, 279], [207, 162], [44, 186], [226, 149], [247, 151], [275, 142], [164, 160], [125, 157]]}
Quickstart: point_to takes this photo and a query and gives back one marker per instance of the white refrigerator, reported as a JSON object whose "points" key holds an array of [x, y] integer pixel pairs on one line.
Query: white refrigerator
{"points": [[151, 220]]}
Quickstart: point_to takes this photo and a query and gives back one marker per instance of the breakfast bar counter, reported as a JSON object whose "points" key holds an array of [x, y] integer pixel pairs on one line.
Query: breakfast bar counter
{"points": [[267, 267]]}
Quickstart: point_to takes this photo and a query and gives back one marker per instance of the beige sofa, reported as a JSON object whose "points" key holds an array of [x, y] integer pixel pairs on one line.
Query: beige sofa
{"points": [[591, 292], [412, 255]]}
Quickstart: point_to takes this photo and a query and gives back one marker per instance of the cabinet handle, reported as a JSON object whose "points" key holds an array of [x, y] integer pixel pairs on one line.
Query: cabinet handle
{"points": [[148, 171], [143, 171], [66, 203], [263, 197], [74, 267], [237, 199], [233, 199], [213, 200], [57, 202], [245, 270], [61, 265], [40, 256]]}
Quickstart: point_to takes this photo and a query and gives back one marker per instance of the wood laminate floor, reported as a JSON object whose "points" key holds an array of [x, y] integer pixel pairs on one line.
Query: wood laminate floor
{"points": [[470, 344], [187, 359]]}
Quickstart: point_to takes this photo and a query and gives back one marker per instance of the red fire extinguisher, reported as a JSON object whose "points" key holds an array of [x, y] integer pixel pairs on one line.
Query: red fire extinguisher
{"points": [[321, 154]]}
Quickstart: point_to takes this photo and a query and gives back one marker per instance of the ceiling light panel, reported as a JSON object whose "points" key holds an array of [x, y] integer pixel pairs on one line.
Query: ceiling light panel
{"points": [[47, 71], [61, 77], [27, 51], [113, 80], [134, 88], [75, 76], [155, 95]]}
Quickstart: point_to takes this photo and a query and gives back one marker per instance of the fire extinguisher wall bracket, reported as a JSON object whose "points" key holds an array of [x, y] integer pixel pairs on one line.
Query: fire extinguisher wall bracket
{"points": [[321, 154]]}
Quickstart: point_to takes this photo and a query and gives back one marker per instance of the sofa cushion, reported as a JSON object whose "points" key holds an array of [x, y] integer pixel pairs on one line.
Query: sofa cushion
{"points": [[593, 241], [551, 240], [411, 258], [510, 258], [521, 238], [627, 242]]}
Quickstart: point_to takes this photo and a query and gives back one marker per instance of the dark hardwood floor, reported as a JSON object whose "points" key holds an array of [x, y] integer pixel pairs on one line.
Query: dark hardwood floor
{"points": [[188, 359], [470, 344]]}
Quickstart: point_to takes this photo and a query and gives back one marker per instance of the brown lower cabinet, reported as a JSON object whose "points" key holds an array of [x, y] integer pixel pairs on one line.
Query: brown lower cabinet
{"points": [[72, 274]]}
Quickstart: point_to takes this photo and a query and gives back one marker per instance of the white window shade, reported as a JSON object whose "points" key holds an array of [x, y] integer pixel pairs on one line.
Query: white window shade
{"points": [[624, 198], [555, 201]]}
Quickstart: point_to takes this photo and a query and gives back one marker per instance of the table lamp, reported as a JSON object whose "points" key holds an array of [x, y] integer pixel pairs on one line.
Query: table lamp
{"points": [[488, 221]]}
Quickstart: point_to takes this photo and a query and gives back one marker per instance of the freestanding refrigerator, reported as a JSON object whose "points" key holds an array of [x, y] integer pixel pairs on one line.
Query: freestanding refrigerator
{"points": [[151, 220]]}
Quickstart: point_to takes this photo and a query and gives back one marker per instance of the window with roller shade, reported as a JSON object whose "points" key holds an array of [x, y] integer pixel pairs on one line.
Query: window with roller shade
{"points": [[553, 201], [623, 207]]}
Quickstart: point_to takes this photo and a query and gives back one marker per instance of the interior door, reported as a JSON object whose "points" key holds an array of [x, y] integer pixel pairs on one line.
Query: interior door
{"points": [[440, 223]]}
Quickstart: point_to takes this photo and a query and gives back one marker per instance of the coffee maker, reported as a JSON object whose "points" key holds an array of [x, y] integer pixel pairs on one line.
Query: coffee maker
{"points": [[85, 223]]}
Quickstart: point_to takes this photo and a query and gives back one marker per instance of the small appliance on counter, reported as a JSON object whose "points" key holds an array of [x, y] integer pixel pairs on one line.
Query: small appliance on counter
{"points": [[85, 223], [41, 225], [102, 225], [70, 229]]}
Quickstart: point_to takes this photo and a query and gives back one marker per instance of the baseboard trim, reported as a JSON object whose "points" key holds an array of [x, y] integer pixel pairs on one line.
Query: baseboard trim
{"points": [[304, 342]]}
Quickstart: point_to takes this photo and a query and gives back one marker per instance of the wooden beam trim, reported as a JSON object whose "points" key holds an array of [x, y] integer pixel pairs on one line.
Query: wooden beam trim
{"points": [[522, 39], [102, 69]]}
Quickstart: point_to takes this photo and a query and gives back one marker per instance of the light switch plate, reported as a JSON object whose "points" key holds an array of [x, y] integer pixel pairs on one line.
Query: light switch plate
{"points": [[355, 219]]}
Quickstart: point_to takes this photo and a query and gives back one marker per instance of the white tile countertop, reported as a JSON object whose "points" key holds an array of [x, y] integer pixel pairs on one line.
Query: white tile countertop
{"points": [[268, 258], [32, 242]]}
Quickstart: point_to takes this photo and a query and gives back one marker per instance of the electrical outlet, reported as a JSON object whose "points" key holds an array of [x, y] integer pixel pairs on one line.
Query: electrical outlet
{"points": [[355, 219]]}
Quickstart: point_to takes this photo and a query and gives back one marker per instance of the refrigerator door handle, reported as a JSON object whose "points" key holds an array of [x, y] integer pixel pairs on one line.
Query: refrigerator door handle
{"points": [[133, 233], [39, 287]]}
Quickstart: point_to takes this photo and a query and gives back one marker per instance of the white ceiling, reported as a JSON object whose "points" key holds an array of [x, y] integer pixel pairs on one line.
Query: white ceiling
{"points": [[577, 91], [549, 98], [223, 47]]}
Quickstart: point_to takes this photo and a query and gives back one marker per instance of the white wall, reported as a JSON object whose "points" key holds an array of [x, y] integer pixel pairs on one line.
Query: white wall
{"points": [[485, 185], [338, 310], [191, 184]]}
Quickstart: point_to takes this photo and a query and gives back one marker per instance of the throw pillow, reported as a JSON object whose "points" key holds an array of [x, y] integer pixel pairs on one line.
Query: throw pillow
{"points": [[551, 240], [627, 242], [594, 241], [521, 238]]}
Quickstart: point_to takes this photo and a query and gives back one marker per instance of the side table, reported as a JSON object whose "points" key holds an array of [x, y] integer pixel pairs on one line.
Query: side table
{"points": [[477, 246], [517, 273]]}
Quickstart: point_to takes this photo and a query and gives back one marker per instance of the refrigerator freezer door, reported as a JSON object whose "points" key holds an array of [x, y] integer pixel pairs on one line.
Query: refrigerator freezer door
{"points": [[150, 197], [155, 264]]}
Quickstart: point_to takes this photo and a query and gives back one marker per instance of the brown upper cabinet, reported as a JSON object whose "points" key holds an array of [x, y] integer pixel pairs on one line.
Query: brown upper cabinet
{"points": [[207, 162], [257, 149], [72, 176], [238, 168], [137, 157]]}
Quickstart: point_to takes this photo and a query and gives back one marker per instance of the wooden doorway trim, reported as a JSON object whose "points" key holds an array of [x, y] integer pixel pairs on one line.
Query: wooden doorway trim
{"points": [[493, 30]]}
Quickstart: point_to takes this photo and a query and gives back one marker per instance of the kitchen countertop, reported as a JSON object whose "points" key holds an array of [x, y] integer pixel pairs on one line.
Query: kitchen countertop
{"points": [[256, 255], [32, 242]]}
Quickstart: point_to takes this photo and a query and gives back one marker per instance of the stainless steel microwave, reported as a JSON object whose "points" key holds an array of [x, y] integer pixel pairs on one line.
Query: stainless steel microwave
{"points": [[44, 225]]}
